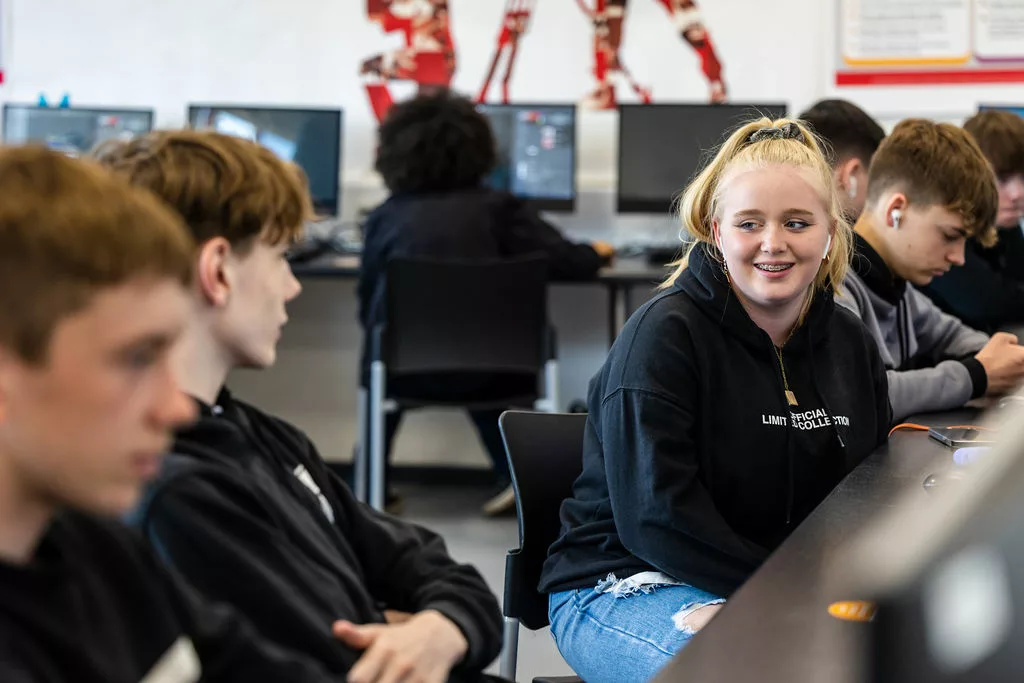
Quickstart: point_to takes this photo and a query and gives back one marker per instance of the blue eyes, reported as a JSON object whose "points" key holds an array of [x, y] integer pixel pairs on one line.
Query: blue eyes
{"points": [[791, 225]]}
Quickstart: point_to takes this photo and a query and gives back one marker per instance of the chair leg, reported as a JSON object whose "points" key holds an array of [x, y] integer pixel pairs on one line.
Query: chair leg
{"points": [[361, 454], [377, 455], [551, 386], [510, 651]]}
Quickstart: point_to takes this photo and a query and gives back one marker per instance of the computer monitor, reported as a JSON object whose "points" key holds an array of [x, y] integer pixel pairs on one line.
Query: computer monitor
{"points": [[663, 146], [536, 153], [1017, 109], [309, 137], [72, 130]]}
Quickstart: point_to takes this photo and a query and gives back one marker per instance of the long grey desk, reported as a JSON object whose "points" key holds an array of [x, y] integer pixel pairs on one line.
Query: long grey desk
{"points": [[620, 279], [776, 627]]}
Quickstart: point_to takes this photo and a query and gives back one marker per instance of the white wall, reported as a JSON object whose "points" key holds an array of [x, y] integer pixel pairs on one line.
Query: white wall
{"points": [[165, 53]]}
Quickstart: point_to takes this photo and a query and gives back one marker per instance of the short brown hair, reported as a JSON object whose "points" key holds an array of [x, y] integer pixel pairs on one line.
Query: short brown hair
{"points": [[1000, 135], [938, 164], [67, 229], [223, 186]]}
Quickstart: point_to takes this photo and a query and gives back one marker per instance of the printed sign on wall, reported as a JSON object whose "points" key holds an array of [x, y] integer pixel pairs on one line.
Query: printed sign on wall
{"points": [[930, 42]]}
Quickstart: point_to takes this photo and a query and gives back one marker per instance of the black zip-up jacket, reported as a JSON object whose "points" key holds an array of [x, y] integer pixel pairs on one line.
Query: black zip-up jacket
{"points": [[987, 292], [472, 224], [95, 605], [693, 462], [249, 513]]}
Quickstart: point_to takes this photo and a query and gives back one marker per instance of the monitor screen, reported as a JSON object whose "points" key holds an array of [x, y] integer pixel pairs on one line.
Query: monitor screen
{"points": [[73, 131], [1016, 109], [309, 137], [663, 146], [536, 153]]}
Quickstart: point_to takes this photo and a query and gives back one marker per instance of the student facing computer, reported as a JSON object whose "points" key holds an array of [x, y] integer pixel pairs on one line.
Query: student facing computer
{"points": [[434, 154], [987, 291], [727, 409], [930, 189]]}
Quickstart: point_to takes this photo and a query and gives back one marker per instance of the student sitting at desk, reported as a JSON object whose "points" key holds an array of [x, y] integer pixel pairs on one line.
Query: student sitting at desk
{"points": [[987, 291], [851, 137], [728, 408], [245, 508], [929, 190], [94, 282], [434, 154]]}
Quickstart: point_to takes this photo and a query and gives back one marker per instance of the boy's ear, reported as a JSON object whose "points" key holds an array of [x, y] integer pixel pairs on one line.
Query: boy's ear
{"points": [[211, 267]]}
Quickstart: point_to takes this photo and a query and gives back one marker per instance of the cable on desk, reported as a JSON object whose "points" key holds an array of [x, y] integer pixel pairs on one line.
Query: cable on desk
{"points": [[924, 428]]}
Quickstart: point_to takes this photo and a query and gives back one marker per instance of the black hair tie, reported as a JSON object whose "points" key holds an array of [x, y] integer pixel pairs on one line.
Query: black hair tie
{"points": [[787, 131]]}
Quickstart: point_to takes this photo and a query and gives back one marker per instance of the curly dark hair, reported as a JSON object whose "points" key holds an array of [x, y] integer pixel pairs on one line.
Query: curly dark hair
{"points": [[435, 143]]}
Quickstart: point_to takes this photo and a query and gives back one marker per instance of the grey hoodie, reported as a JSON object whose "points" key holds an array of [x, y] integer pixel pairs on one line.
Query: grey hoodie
{"points": [[928, 354]]}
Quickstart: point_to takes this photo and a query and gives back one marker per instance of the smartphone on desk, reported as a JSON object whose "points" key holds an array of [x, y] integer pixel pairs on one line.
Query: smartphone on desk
{"points": [[958, 437]]}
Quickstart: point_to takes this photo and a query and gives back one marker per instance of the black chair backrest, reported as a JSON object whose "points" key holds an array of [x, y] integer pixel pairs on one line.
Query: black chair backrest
{"points": [[545, 455], [445, 316]]}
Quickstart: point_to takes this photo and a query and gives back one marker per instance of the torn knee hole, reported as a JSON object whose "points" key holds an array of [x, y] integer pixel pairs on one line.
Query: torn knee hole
{"points": [[693, 619]]}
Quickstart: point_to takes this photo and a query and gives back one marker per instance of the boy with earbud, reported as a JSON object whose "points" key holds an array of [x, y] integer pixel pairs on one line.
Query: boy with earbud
{"points": [[987, 292], [852, 137], [929, 190]]}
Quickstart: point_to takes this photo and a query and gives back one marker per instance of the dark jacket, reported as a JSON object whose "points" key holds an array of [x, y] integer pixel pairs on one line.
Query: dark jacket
{"points": [[987, 292], [95, 605], [249, 513], [693, 462], [472, 224]]}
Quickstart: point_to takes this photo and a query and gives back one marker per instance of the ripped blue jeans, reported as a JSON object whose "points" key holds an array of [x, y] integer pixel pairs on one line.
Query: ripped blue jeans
{"points": [[624, 630]]}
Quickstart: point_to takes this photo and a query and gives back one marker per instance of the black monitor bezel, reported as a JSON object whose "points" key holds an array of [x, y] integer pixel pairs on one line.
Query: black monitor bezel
{"points": [[329, 209], [628, 205], [9, 106]]}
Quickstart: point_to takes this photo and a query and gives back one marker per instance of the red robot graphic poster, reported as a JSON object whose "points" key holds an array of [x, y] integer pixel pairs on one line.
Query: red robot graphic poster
{"points": [[428, 56]]}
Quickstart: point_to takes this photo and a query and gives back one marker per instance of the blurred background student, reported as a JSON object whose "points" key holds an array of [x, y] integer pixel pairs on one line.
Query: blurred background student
{"points": [[987, 291], [435, 153]]}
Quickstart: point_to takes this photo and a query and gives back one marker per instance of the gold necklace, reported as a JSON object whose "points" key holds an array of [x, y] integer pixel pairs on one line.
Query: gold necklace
{"points": [[790, 396]]}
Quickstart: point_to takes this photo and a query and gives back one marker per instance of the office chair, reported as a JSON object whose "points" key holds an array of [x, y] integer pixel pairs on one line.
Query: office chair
{"points": [[545, 456], [464, 318]]}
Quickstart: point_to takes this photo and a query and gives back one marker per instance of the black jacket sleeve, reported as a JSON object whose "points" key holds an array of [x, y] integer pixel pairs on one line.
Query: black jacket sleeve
{"points": [[229, 648], [978, 294], [527, 233], [408, 568], [217, 534]]}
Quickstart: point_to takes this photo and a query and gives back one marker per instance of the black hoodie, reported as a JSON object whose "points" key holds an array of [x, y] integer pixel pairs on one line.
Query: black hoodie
{"points": [[693, 463], [249, 513], [95, 605]]}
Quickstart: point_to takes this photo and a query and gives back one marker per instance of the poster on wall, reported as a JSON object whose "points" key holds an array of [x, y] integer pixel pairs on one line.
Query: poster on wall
{"points": [[930, 42], [428, 56]]}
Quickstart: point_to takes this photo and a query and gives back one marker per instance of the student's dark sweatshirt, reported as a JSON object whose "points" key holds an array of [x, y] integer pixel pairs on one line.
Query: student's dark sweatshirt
{"points": [[95, 605], [694, 464], [248, 512], [471, 224], [987, 292]]}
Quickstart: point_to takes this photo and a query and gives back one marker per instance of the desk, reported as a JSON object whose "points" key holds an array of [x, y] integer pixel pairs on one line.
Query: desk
{"points": [[776, 628], [620, 279]]}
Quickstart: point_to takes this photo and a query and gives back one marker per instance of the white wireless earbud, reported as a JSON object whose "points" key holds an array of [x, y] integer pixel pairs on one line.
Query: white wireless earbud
{"points": [[852, 190], [896, 215], [828, 245]]}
